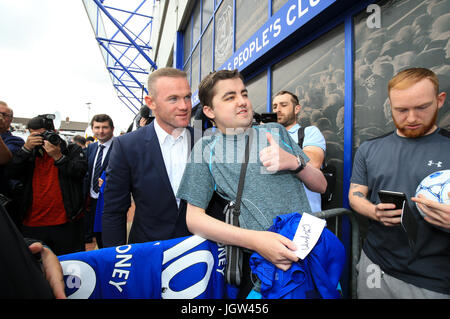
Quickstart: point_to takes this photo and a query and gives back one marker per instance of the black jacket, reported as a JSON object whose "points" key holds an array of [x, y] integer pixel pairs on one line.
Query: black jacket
{"points": [[133, 170], [22, 277], [72, 168]]}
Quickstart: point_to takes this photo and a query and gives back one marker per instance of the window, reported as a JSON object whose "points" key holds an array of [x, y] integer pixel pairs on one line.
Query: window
{"points": [[196, 26], [411, 35], [208, 9], [187, 40], [250, 16], [315, 74], [277, 4], [187, 69], [257, 92], [206, 57], [195, 69]]}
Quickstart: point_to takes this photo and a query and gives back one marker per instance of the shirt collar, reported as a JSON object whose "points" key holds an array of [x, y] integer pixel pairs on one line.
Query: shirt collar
{"points": [[294, 129], [162, 134], [107, 143]]}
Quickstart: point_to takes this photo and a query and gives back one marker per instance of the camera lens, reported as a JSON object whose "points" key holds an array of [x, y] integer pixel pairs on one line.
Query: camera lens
{"points": [[51, 137], [54, 139]]}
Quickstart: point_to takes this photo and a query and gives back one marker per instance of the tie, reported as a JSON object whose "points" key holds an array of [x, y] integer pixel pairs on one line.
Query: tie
{"points": [[98, 169]]}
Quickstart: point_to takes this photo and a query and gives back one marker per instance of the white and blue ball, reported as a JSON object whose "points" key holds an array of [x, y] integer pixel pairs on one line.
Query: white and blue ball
{"points": [[435, 187]]}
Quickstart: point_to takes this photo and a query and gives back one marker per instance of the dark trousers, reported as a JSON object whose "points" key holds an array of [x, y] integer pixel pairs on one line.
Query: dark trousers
{"points": [[62, 239], [89, 224], [89, 220]]}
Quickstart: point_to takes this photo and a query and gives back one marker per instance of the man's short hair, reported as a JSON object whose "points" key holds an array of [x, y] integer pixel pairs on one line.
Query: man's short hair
{"points": [[407, 78], [163, 72], [101, 118], [7, 107], [79, 139], [294, 97], [206, 87]]}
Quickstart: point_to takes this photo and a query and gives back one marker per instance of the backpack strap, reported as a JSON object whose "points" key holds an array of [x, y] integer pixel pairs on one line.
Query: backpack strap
{"points": [[301, 136]]}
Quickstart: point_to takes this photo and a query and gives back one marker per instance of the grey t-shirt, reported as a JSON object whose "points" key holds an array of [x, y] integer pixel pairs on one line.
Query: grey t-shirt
{"points": [[395, 163], [215, 164]]}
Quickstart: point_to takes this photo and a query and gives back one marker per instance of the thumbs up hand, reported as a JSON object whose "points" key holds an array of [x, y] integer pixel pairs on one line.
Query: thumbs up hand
{"points": [[275, 159]]}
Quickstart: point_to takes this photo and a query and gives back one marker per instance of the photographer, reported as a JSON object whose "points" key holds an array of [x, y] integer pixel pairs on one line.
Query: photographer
{"points": [[52, 173]]}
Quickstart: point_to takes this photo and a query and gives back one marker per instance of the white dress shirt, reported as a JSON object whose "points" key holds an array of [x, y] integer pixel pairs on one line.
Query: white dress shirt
{"points": [[175, 154], [107, 145]]}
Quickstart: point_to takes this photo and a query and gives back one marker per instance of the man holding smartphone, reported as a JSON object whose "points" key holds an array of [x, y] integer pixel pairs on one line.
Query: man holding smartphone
{"points": [[390, 267]]}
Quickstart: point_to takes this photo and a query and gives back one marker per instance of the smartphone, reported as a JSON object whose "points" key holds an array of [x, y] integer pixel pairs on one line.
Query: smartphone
{"points": [[396, 198]]}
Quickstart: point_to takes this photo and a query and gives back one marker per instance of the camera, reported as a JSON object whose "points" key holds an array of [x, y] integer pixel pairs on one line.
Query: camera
{"points": [[49, 134], [52, 137], [264, 118]]}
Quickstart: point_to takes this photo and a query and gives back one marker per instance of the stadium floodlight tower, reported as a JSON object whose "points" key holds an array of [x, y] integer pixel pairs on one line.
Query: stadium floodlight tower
{"points": [[123, 31]]}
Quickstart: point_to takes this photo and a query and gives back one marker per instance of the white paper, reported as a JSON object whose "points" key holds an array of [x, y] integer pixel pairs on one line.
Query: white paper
{"points": [[308, 233]]}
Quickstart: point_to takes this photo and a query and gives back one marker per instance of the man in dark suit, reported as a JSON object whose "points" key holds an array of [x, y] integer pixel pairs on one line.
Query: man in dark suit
{"points": [[98, 156], [148, 164]]}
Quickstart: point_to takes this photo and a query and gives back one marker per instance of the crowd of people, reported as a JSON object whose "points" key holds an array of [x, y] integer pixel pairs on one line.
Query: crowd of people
{"points": [[180, 179]]}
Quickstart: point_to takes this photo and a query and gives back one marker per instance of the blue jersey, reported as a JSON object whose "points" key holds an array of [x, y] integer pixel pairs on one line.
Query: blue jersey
{"points": [[188, 267], [317, 276]]}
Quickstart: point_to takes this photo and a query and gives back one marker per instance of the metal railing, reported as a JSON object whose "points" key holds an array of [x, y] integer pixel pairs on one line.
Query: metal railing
{"points": [[355, 240]]}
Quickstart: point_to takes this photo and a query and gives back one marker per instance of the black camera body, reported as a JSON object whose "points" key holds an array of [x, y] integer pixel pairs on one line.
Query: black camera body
{"points": [[52, 137], [264, 118]]}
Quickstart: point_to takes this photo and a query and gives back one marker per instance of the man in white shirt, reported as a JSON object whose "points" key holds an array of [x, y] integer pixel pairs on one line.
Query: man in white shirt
{"points": [[97, 155], [174, 150], [287, 106], [148, 164]]}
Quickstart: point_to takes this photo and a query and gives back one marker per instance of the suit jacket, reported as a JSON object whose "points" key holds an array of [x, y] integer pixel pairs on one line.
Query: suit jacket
{"points": [[137, 168], [91, 151]]}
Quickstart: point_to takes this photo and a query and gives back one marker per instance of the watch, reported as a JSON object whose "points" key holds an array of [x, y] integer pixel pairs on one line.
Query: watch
{"points": [[301, 164]]}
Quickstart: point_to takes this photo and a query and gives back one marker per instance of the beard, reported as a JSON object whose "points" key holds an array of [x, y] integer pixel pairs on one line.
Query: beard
{"points": [[287, 120], [426, 127]]}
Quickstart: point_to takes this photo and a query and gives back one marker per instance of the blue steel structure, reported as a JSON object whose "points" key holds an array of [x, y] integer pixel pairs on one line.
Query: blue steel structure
{"points": [[123, 32]]}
